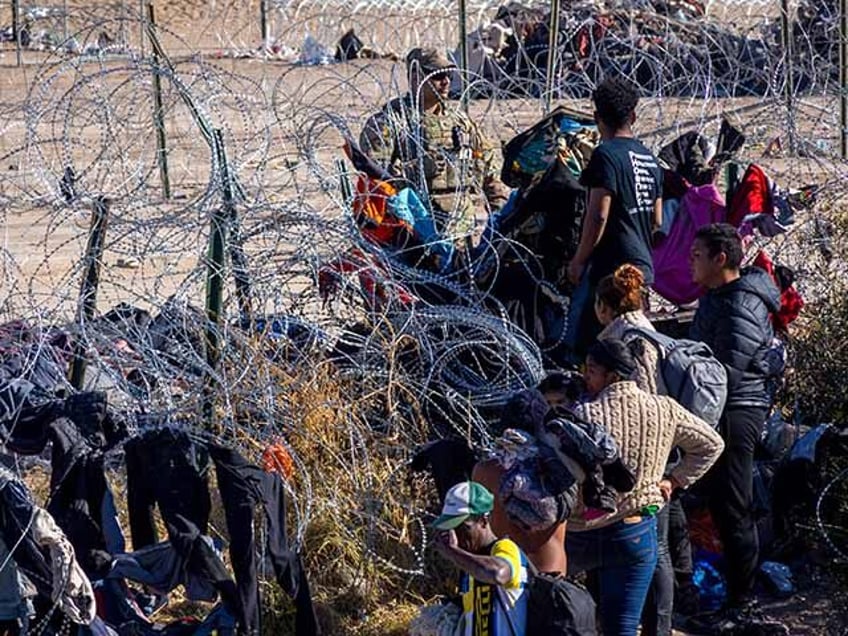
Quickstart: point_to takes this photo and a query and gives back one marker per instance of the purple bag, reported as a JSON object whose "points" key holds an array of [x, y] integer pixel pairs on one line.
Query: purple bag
{"points": [[700, 206]]}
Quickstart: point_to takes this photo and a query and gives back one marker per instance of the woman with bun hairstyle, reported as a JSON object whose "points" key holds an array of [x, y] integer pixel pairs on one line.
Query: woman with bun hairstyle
{"points": [[619, 302]]}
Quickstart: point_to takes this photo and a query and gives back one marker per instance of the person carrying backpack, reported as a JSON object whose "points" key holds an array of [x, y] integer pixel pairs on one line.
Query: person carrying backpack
{"points": [[618, 306], [733, 319], [620, 549], [494, 581]]}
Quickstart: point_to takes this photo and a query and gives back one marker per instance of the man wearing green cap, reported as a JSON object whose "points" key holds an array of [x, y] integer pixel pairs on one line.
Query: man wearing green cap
{"points": [[494, 580], [421, 137]]}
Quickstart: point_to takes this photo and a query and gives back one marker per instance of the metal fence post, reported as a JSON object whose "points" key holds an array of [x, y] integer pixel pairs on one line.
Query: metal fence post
{"points": [[263, 22], [87, 303], [463, 54], [789, 86], [553, 45], [159, 117], [214, 301], [16, 29]]}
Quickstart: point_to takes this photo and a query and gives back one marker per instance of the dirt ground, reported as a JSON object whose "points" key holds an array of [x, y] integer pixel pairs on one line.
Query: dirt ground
{"points": [[281, 126]]}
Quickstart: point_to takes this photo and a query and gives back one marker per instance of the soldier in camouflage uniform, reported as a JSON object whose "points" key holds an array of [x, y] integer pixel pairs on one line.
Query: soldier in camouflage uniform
{"points": [[438, 149]]}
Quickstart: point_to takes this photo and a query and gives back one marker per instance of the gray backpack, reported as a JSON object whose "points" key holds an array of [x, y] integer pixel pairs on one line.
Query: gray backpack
{"points": [[688, 372]]}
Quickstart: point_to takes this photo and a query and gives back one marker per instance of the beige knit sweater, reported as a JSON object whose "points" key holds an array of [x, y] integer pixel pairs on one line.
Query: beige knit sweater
{"points": [[647, 359], [646, 427]]}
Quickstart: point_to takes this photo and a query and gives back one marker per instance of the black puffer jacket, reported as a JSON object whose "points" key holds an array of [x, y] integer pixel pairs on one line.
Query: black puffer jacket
{"points": [[734, 321]]}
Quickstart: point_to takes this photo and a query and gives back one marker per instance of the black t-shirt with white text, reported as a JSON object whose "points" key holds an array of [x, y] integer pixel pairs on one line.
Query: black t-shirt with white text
{"points": [[626, 168]]}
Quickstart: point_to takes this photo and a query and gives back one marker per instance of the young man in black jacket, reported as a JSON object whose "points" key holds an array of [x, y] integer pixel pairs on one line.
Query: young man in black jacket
{"points": [[734, 319]]}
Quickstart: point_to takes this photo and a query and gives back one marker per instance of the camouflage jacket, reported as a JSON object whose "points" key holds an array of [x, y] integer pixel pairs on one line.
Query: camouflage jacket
{"points": [[443, 154]]}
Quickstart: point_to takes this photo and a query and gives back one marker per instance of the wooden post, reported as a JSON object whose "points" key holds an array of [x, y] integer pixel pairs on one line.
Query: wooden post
{"points": [[553, 46], [843, 78], [16, 29], [789, 87], [463, 54], [87, 303], [159, 117]]}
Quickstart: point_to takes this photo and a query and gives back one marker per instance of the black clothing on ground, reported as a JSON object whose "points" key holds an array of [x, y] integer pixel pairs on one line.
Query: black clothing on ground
{"points": [[203, 562], [627, 169], [160, 567], [731, 498], [243, 487], [165, 467], [734, 320], [17, 510], [81, 501]]}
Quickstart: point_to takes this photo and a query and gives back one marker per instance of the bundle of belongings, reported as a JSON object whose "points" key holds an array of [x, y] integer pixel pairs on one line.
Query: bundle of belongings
{"points": [[655, 42], [545, 454], [351, 47], [691, 200], [38, 568], [390, 214], [167, 466], [545, 214]]}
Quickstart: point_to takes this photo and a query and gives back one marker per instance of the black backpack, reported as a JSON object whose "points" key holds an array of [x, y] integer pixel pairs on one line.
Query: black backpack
{"points": [[531, 152], [555, 606]]}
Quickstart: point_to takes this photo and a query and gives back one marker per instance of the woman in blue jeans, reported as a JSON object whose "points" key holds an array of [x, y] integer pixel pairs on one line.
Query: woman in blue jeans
{"points": [[619, 549]]}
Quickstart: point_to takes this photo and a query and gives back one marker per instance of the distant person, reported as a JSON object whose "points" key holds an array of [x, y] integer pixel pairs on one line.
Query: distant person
{"points": [[623, 212], [734, 320], [619, 550], [494, 581], [425, 138]]}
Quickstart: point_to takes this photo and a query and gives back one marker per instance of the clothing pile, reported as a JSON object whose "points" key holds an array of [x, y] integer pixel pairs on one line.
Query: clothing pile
{"points": [[655, 42], [166, 466], [691, 200], [546, 453]]}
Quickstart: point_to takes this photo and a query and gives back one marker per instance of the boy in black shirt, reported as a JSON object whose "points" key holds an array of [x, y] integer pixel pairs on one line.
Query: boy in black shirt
{"points": [[624, 208]]}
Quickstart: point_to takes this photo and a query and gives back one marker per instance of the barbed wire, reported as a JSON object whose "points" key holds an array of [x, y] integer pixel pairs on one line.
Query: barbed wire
{"points": [[347, 382]]}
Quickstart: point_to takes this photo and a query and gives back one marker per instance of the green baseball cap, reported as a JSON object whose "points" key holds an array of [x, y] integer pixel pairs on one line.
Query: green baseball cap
{"points": [[465, 499]]}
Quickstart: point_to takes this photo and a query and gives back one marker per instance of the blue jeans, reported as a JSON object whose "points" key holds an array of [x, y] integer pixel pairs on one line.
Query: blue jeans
{"points": [[580, 298], [656, 617], [623, 558]]}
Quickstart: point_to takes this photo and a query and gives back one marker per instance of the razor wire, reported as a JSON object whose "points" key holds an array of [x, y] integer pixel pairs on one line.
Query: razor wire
{"points": [[384, 373]]}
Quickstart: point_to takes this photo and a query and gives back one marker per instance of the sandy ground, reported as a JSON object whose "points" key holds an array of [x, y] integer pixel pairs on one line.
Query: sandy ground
{"points": [[281, 127]]}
